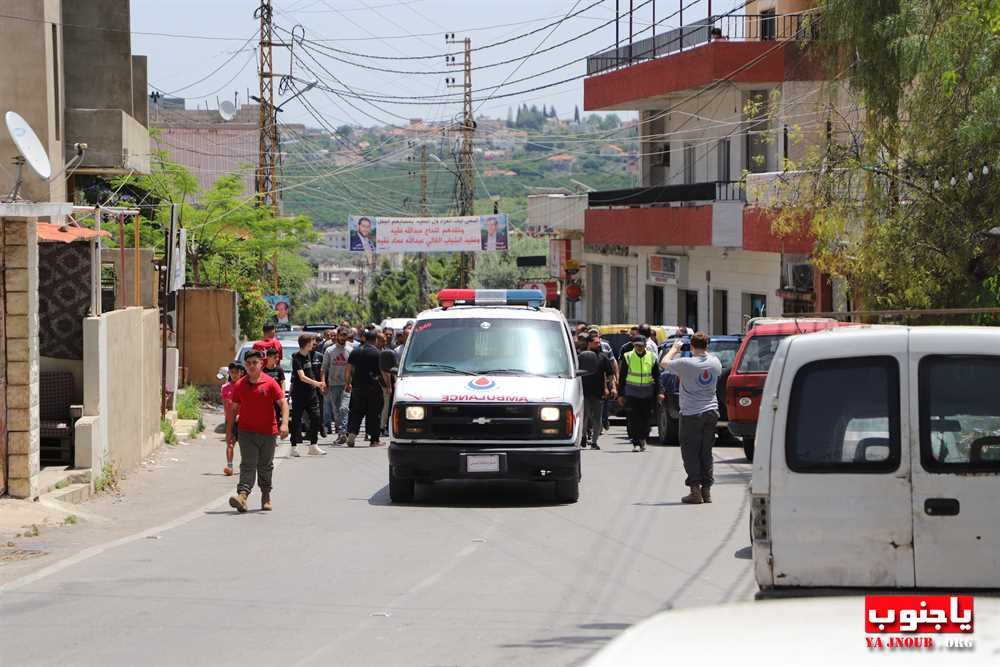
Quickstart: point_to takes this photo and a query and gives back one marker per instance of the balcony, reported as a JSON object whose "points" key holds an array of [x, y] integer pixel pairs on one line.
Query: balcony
{"points": [[695, 214], [117, 142], [665, 195], [632, 76]]}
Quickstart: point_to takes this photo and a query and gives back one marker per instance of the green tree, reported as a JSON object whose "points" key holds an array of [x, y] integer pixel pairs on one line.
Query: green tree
{"points": [[394, 292], [899, 202], [230, 242]]}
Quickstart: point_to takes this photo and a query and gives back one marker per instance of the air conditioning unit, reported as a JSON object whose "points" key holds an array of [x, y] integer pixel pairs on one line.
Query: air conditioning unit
{"points": [[800, 277]]}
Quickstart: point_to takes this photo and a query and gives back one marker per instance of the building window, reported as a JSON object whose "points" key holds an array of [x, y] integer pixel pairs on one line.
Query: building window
{"points": [[720, 312], [757, 145], [595, 288], [687, 308], [55, 80], [754, 305], [654, 305], [689, 163], [723, 151], [768, 25], [619, 294]]}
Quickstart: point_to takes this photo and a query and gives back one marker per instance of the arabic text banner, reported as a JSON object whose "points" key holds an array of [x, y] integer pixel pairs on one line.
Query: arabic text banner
{"points": [[484, 233]]}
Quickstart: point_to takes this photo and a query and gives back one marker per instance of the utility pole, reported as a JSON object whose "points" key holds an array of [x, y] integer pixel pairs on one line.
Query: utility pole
{"points": [[267, 125], [424, 211], [466, 169]]}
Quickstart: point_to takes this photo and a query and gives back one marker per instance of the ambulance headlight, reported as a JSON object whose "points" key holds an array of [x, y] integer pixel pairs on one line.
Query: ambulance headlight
{"points": [[549, 414], [414, 413]]}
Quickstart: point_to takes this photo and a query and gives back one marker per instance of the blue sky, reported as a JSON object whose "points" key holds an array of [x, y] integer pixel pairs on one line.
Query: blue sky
{"points": [[386, 27]]}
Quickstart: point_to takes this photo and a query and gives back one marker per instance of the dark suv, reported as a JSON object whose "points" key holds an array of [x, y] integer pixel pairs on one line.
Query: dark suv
{"points": [[668, 413]]}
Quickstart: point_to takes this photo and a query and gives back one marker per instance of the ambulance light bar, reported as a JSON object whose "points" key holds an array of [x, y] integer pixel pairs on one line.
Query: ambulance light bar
{"points": [[490, 297]]}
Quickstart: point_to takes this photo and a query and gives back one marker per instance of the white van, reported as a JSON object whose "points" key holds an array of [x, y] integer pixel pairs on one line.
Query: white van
{"points": [[878, 461], [488, 389]]}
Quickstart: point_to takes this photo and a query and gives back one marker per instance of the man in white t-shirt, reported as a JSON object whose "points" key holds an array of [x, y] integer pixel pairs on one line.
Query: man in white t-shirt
{"points": [[699, 376]]}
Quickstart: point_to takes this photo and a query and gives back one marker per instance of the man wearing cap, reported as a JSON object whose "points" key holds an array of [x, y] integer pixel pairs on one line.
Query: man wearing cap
{"points": [[639, 381]]}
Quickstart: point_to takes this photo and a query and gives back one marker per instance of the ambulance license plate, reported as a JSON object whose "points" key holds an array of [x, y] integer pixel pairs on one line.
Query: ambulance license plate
{"points": [[482, 463]]}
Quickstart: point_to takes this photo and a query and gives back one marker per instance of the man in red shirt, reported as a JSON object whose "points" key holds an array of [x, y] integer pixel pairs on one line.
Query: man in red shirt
{"points": [[269, 341], [254, 395]]}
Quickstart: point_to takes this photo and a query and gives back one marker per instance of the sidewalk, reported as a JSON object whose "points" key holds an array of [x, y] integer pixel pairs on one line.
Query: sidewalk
{"points": [[173, 481]]}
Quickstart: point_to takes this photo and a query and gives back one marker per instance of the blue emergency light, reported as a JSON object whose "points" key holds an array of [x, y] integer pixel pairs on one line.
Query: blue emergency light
{"points": [[491, 297]]}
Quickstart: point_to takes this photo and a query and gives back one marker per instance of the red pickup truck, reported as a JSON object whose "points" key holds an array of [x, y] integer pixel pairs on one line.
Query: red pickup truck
{"points": [[746, 380]]}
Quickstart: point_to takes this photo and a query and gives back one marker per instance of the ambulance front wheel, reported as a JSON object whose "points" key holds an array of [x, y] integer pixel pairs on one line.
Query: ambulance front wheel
{"points": [[400, 490]]}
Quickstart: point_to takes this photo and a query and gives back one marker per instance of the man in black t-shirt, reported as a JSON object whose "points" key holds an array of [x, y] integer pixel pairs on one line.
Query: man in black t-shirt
{"points": [[273, 369], [305, 382], [364, 382], [595, 386]]}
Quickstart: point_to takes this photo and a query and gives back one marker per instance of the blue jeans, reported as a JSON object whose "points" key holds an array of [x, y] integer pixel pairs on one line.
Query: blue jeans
{"points": [[335, 408]]}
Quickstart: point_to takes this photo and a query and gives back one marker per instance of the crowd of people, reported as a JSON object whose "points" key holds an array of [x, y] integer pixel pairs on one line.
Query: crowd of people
{"points": [[339, 379], [634, 382], [344, 378]]}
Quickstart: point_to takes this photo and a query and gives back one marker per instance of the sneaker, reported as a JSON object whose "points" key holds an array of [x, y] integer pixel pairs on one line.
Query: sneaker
{"points": [[314, 450], [594, 445], [376, 443], [239, 502], [228, 471], [642, 446], [635, 448], [350, 439], [342, 438], [265, 501], [295, 452], [706, 494]]}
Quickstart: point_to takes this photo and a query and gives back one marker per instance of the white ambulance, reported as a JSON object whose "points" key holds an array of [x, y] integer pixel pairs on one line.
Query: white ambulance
{"points": [[878, 461], [488, 388]]}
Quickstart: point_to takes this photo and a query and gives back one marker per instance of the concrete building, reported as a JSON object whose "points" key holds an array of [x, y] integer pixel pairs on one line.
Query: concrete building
{"points": [[685, 248], [210, 146], [345, 280], [68, 69]]}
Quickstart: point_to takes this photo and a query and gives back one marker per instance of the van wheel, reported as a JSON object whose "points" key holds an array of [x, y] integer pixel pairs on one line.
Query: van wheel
{"points": [[567, 490], [668, 428], [748, 448], [400, 490]]}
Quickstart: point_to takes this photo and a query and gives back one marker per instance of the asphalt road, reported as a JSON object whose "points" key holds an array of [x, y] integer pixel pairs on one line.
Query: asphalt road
{"points": [[472, 574]]}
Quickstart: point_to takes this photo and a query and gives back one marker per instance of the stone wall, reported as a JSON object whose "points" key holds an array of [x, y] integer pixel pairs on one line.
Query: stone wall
{"points": [[20, 277]]}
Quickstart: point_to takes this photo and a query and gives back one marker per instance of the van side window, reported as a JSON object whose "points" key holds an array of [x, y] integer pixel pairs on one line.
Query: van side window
{"points": [[959, 413], [843, 417]]}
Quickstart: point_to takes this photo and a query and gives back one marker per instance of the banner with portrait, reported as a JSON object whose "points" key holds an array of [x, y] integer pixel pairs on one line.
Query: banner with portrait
{"points": [[481, 233], [282, 306]]}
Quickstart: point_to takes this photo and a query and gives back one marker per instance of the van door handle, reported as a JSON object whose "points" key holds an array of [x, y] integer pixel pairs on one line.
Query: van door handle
{"points": [[941, 506]]}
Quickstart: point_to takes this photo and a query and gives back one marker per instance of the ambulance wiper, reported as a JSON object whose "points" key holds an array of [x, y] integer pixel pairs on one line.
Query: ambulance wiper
{"points": [[443, 367], [516, 371]]}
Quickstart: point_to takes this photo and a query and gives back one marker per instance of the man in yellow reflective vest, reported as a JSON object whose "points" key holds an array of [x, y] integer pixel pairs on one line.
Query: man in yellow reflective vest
{"points": [[639, 389]]}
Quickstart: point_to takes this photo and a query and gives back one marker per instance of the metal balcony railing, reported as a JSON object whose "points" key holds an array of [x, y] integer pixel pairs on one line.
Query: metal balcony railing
{"points": [[731, 27], [711, 191]]}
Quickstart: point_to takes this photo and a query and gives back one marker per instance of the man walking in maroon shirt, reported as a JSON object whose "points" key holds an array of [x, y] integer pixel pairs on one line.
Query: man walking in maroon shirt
{"points": [[254, 395]]}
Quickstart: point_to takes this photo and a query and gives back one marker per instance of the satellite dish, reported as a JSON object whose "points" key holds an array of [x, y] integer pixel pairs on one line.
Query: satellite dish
{"points": [[227, 110], [27, 143]]}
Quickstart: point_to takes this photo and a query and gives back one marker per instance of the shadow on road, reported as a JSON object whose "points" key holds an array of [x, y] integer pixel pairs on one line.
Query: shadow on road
{"points": [[474, 493]]}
